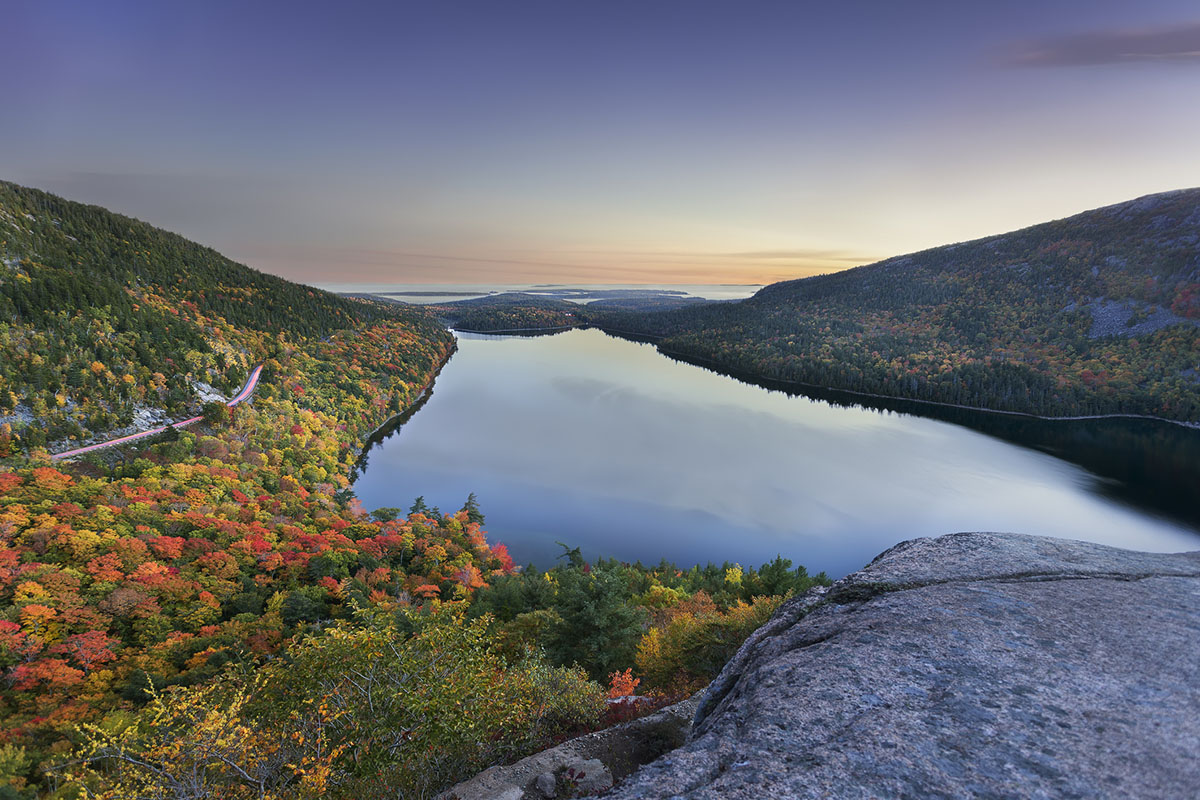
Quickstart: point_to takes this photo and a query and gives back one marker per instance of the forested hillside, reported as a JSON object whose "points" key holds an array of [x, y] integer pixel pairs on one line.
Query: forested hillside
{"points": [[509, 311], [1098, 313], [102, 315], [213, 614], [172, 563], [523, 311]]}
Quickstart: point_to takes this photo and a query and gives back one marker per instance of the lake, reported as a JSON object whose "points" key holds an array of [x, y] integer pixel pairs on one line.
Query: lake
{"points": [[607, 445]]}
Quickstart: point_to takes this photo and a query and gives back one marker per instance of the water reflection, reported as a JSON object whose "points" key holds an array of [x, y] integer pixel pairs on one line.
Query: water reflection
{"points": [[606, 444]]}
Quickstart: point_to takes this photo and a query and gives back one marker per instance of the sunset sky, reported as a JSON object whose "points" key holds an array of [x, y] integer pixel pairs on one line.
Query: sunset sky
{"points": [[597, 141]]}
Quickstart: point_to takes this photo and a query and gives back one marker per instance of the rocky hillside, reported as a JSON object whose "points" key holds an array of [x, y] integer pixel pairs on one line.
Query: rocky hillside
{"points": [[971, 665]]}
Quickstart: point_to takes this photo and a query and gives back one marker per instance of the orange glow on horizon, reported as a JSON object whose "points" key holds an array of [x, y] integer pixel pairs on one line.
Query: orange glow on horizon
{"points": [[354, 265]]}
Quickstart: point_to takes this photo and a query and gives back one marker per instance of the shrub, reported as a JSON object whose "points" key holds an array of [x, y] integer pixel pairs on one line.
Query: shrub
{"points": [[684, 654], [388, 705]]}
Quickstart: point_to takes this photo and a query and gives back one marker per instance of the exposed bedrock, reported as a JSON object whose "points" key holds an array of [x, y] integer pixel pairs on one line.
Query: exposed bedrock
{"points": [[970, 665]]}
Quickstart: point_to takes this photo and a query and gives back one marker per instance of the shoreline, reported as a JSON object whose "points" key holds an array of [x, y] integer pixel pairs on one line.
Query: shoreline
{"points": [[502, 331], [418, 400], [739, 374]]}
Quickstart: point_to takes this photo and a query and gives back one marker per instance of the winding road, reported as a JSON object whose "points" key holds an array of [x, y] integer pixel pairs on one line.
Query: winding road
{"points": [[247, 390]]}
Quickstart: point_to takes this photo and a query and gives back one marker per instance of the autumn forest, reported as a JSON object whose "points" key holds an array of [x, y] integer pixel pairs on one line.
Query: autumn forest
{"points": [[223, 580], [1094, 314], [212, 612]]}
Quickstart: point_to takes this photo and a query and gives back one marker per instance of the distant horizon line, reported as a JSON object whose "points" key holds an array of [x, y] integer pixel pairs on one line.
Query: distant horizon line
{"points": [[322, 284]]}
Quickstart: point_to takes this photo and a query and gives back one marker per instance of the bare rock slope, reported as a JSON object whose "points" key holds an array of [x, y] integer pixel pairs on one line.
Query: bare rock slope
{"points": [[971, 665]]}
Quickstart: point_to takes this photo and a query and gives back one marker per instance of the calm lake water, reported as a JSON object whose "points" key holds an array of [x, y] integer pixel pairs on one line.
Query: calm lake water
{"points": [[607, 445]]}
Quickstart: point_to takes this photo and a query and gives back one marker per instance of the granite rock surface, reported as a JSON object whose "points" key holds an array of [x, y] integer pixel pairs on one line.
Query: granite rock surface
{"points": [[976, 665], [601, 757]]}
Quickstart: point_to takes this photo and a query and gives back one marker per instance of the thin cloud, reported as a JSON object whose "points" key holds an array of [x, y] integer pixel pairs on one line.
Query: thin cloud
{"points": [[367, 256], [379, 266], [810, 255], [804, 255], [1177, 44], [359, 255]]}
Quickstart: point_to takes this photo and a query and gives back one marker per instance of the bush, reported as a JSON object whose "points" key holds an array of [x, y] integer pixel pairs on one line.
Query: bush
{"points": [[364, 710], [683, 655], [426, 710]]}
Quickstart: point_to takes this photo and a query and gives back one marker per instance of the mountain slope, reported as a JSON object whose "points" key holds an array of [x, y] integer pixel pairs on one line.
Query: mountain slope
{"points": [[174, 563], [102, 316], [1096, 313], [224, 583]]}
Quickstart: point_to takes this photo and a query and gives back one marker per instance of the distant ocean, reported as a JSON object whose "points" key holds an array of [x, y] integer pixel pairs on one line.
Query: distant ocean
{"points": [[423, 293]]}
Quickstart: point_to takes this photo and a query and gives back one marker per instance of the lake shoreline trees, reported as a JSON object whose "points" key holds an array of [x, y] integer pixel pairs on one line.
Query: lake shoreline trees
{"points": [[207, 602], [1093, 316]]}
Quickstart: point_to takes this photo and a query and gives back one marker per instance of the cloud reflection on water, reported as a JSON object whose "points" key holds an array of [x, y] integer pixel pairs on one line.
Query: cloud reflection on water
{"points": [[606, 444]]}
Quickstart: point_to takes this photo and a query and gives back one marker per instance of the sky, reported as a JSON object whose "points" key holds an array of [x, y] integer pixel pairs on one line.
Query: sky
{"points": [[596, 141]]}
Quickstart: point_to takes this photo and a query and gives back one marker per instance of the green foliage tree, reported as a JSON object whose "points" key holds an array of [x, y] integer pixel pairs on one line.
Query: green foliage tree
{"points": [[386, 514], [215, 413], [472, 509], [597, 626]]}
